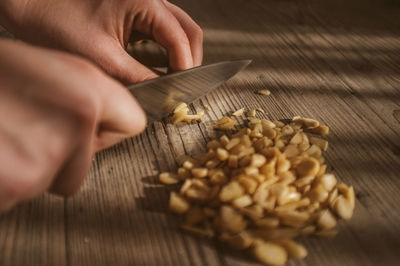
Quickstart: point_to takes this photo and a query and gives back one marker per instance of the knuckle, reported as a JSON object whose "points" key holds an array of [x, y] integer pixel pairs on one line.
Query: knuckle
{"points": [[83, 114], [86, 116]]}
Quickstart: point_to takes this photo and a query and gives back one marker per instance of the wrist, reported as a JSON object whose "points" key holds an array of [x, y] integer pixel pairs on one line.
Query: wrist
{"points": [[11, 13]]}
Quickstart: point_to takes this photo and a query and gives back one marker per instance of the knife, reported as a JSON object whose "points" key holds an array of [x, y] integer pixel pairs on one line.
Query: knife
{"points": [[159, 96]]}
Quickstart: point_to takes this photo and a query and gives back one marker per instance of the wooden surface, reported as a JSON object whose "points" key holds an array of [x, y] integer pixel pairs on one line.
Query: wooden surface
{"points": [[336, 61]]}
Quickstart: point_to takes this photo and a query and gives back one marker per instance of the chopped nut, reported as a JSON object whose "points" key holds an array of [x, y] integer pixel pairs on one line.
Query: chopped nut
{"points": [[191, 118], [318, 193], [326, 220], [343, 208], [251, 113], [238, 112], [323, 144], [304, 181], [180, 114], [213, 163], [297, 138], [348, 193], [183, 173], [225, 123], [242, 201], [264, 92], [267, 124], [328, 181], [199, 172], [287, 130], [260, 110], [257, 160], [217, 177], [269, 132], [293, 205], [232, 220], [196, 194], [248, 183], [231, 191], [233, 161], [180, 107], [293, 218], [321, 130], [222, 154], [232, 143], [294, 249], [186, 185], [168, 178], [254, 212], [178, 204], [269, 253], [305, 122], [224, 140], [201, 184], [308, 167], [279, 124], [291, 196], [188, 165], [291, 151]]}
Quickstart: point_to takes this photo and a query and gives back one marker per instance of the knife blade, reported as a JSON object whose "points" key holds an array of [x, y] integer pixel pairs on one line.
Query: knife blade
{"points": [[159, 96]]}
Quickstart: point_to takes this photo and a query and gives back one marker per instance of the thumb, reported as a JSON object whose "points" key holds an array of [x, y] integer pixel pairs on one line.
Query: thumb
{"points": [[113, 58], [120, 116]]}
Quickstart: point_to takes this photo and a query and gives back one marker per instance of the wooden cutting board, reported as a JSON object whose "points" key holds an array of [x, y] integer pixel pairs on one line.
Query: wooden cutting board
{"points": [[336, 61]]}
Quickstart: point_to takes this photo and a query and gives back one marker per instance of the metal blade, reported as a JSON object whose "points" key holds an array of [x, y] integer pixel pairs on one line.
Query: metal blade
{"points": [[159, 96]]}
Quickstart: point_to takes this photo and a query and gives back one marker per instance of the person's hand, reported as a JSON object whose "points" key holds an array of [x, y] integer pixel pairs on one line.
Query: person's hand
{"points": [[56, 111], [100, 31]]}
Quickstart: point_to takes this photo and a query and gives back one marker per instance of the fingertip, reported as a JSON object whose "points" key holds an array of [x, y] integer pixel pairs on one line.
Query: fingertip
{"points": [[139, 120], [168, 32], [178, 61], [193, 32]]}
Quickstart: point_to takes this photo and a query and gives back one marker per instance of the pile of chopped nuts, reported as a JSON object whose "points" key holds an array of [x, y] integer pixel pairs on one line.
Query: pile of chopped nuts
{"points": [[261, 188], [180, 114]]}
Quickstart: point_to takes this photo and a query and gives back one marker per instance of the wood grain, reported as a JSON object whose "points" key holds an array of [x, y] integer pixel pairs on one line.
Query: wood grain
{"points": [[336, 61]]}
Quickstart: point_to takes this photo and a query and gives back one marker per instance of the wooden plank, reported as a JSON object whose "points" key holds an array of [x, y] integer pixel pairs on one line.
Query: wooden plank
{"points": [[336, 61], [34, 233]]}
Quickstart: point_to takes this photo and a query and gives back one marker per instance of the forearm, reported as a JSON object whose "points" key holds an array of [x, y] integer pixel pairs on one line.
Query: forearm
{"points": [[11, 12]]}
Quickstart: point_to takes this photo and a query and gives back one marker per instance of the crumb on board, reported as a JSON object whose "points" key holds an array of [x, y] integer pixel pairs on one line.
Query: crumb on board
{"points": [[264, 92], [238, 112], [260, 110]]}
